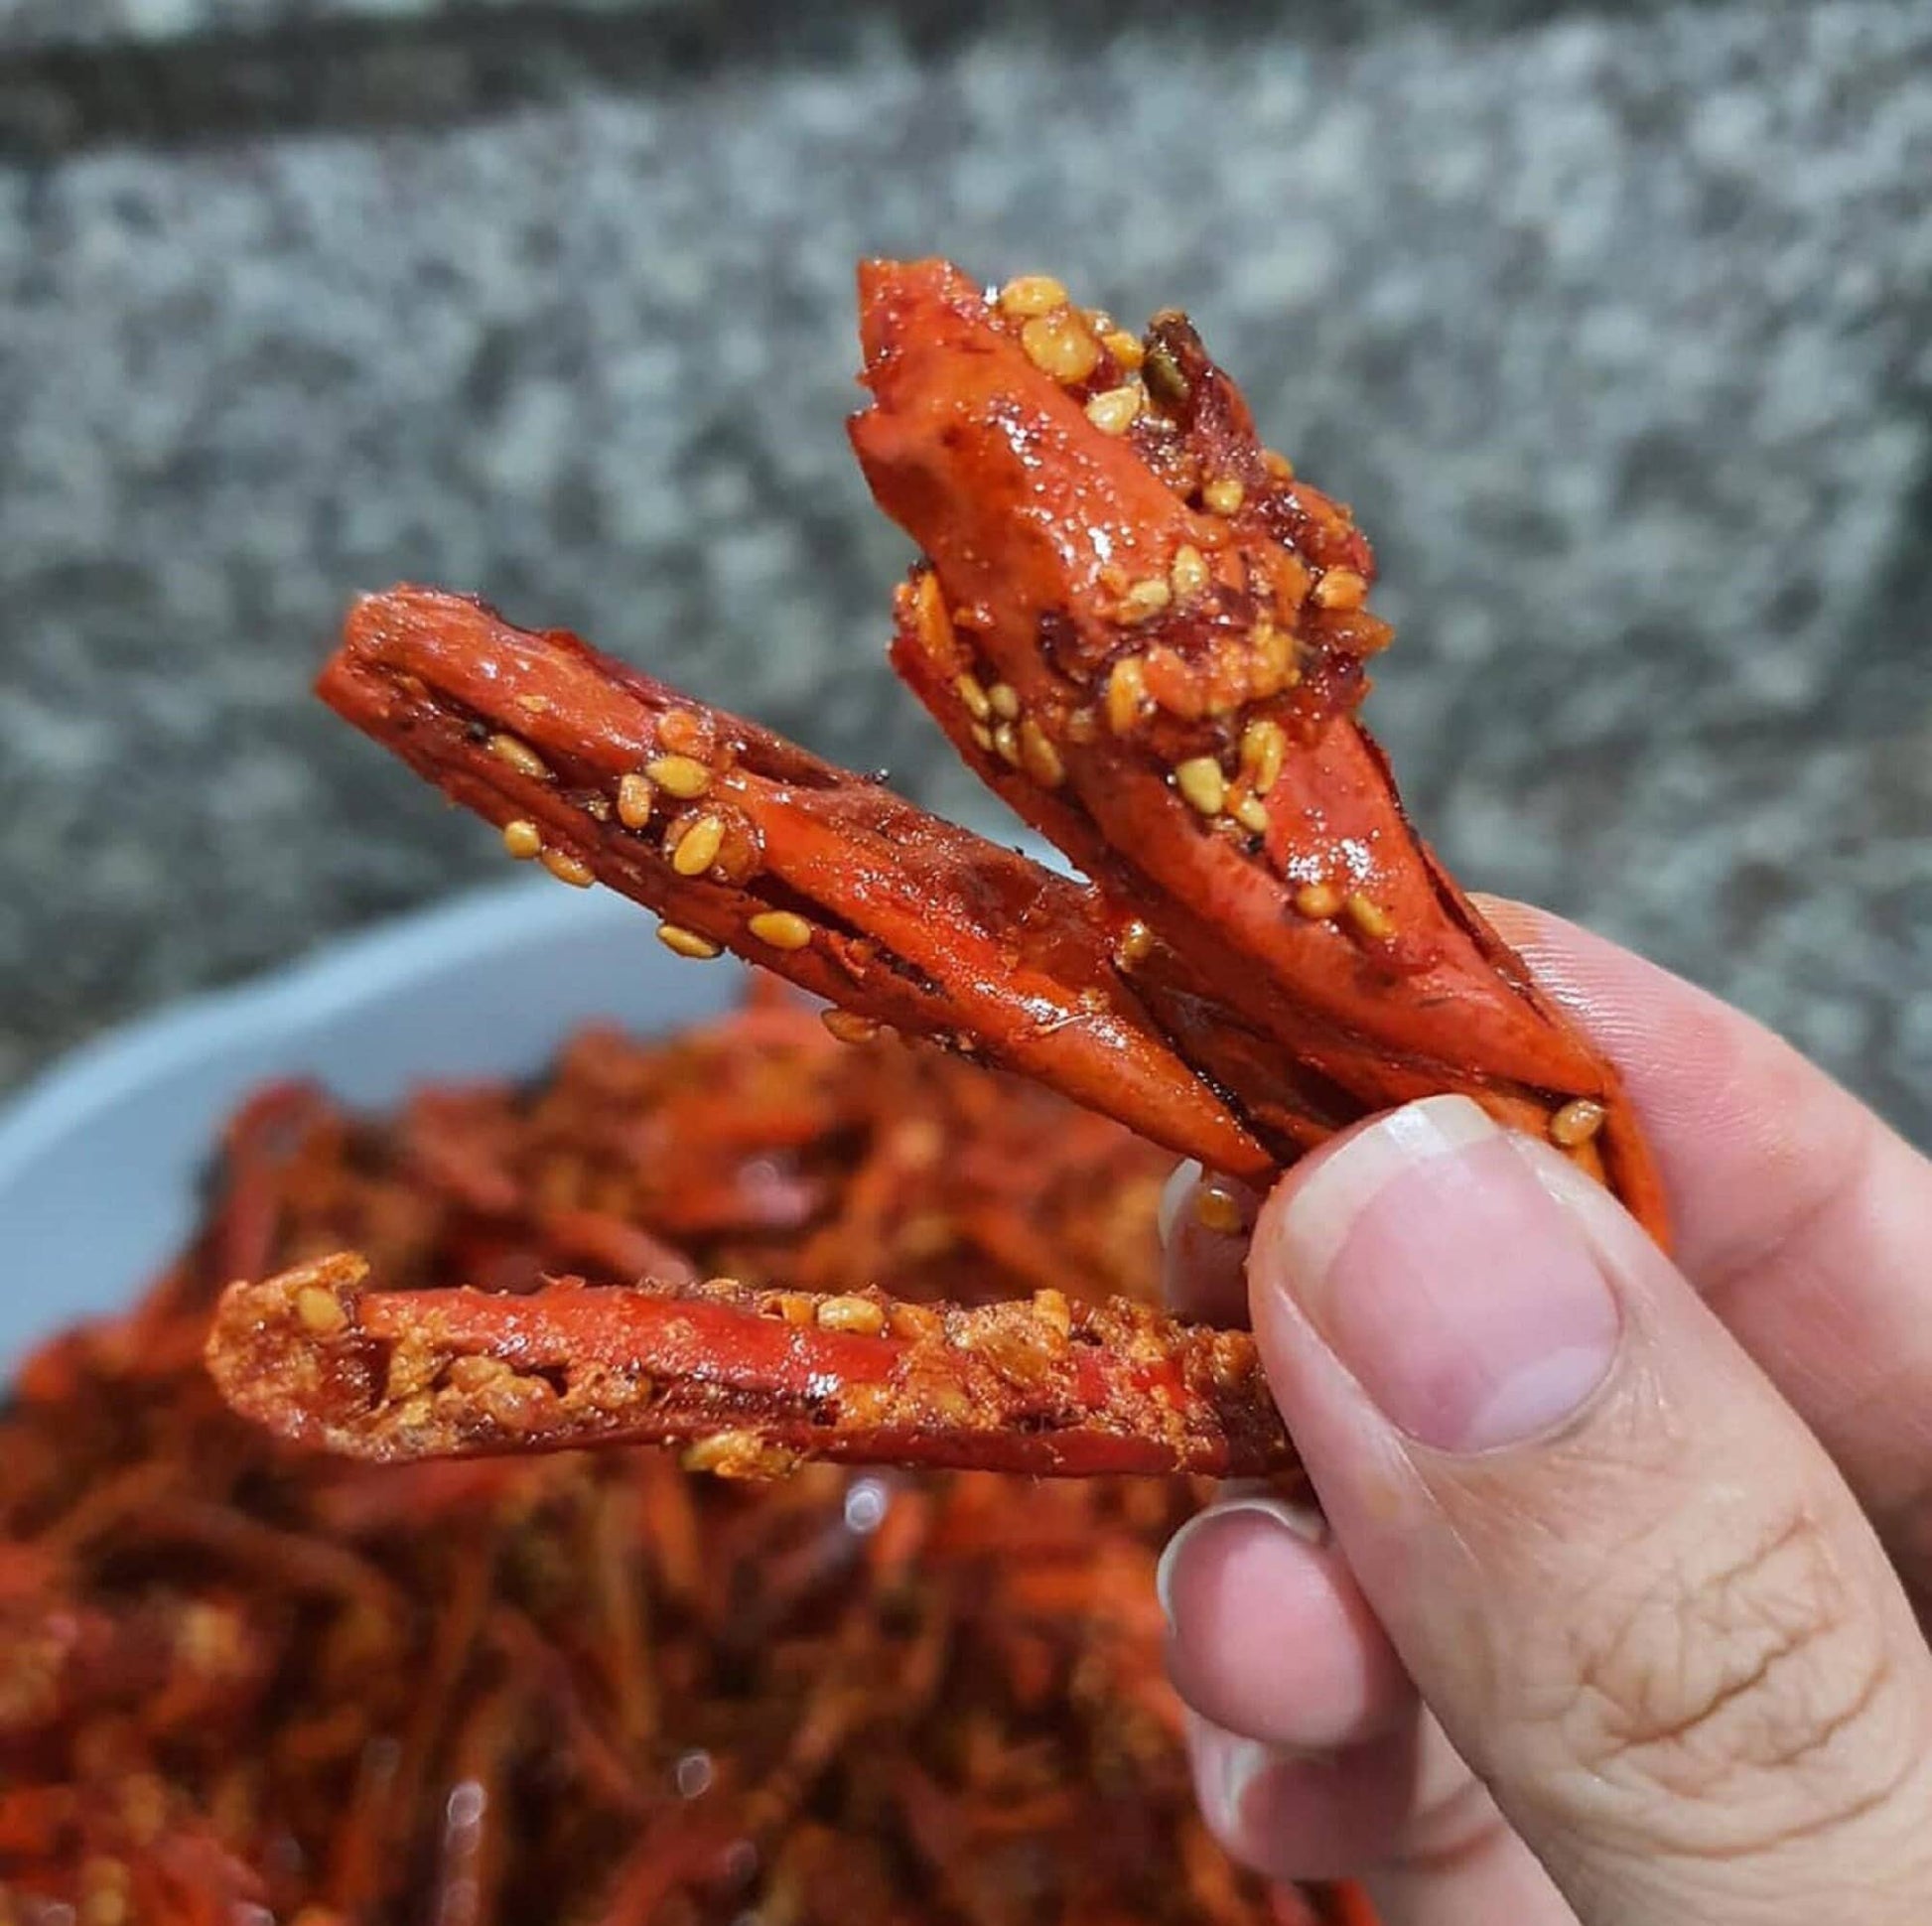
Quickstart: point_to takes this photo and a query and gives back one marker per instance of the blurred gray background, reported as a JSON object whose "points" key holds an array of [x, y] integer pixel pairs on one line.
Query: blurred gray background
{"points": [[1615, 326]]}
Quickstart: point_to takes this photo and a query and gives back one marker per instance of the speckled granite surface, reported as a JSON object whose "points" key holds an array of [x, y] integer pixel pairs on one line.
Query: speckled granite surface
{"points": [[1616, 330]]}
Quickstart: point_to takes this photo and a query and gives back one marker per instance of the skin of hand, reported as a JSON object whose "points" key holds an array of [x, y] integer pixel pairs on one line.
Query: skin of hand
{"points": [[1614, 1611]]}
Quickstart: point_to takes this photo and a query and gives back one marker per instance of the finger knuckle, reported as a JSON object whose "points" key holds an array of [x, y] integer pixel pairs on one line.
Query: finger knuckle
{"points": [[1734, 1690]]}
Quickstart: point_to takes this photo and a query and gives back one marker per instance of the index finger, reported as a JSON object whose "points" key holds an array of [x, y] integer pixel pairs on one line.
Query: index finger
{"points": [[1800, 1217]]}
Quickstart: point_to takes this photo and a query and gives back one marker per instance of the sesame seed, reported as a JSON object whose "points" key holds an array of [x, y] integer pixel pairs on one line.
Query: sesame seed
{"points": [[1340, 589], [1189, 571], [1113, 410], [1126, 694], [319, 1311], [1133, 943], [848, 1025], [859, 1314], [697, 848], [784, 929], [1576, 1122], [520, 756], [1052, 1310], [635, 799], [684, 776], [1027, 294], [983, 736], [916, 1321], [1126, 349], [1368, 917], [686, 942], [1200, 780], [567, 868], [1005, 701], [1060, 344], [740, 1454], [973, 696], [1006, 745], [1263, 745], [1274, 657], [1147, 599], [1038, 757], [522, 839], [1224, 495], [1217, 1208], [1317, 902], [1251, 814]]}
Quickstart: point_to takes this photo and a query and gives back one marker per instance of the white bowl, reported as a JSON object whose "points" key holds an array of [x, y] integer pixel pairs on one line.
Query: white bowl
{"points": [[100, 1160]]}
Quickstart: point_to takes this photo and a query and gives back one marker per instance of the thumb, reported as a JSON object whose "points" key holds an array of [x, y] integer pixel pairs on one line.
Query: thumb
{"points": [[1630, 1584]]}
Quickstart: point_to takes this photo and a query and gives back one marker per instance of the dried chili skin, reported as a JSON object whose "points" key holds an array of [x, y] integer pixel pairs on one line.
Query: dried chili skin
{"points": [[910, 922], [1149, 637], [1186, 674], [755, 1380], [587, 1687]]}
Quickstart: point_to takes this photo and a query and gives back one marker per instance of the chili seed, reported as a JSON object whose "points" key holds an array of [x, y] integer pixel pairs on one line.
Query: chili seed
{"points": [[636, 797], [1027, 294], [1200, 780], [697, 848], [1576, 1122], [1340, 589], [683, 776], [784, 929], [974, 696], [1038, 757], [1368, 917], [1113, 410], [1126, 692], [859, 1314], [686, 942], [568, 869], [848, 1026], [520, 756]]}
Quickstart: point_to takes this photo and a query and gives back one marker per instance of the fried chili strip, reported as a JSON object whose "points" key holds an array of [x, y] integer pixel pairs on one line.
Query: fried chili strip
{"points": [[751, 1380], [741, 840], [1149, 637]]}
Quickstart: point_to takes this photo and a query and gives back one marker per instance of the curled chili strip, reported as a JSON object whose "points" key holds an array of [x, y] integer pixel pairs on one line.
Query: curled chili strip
{"points": [[821, 876], [1177, 626], [1150, 637], [751, 1380]]}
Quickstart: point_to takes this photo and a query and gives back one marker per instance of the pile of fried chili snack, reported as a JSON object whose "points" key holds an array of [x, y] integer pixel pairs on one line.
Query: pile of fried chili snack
{"points": [[247, 1681], [242, 1682]]}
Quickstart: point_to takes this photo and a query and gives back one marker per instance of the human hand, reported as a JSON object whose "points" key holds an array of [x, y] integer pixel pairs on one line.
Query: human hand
{"points": [[1616, 1615]]}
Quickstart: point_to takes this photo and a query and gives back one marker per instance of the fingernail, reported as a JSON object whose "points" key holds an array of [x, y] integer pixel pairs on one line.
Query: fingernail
{"points": [[1173, 1193], [1455, 1289], [1274, 1514], [1225, 1768]]}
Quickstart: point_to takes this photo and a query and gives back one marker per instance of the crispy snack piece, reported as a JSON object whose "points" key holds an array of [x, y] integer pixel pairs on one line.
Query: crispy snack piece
{"points": [[751, 1379], [744, 841], [1150, 637]]}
